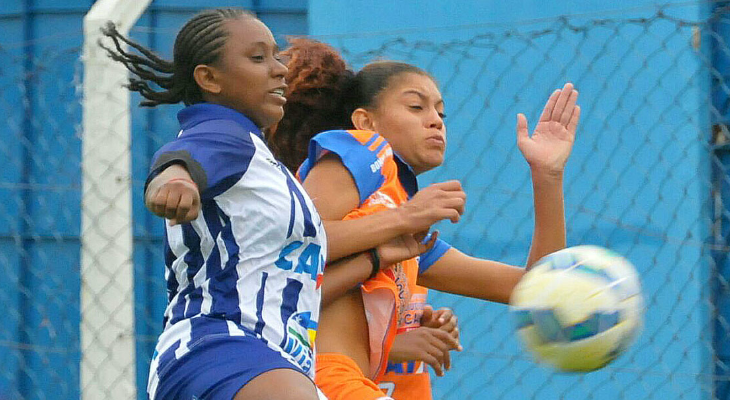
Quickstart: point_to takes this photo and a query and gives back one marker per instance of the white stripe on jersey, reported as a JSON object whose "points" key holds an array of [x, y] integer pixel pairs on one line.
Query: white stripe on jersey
{"points": [[284, 310]]}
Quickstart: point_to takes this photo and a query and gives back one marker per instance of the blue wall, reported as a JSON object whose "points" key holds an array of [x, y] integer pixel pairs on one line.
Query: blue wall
{"points": [[40, 182], [638, 181]]}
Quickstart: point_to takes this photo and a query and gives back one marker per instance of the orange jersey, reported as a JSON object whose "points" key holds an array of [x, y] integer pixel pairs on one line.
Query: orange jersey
{"points": [[383, 181], [409, 380]]}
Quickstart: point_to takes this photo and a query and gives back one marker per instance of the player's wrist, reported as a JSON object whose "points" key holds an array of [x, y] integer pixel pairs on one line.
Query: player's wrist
{"points": [[401, 220], [375, 261]]}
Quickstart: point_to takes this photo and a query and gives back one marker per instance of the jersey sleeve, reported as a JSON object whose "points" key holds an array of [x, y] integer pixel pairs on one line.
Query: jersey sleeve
{"points": [[358, 154], [215, 161], [427, 259]]}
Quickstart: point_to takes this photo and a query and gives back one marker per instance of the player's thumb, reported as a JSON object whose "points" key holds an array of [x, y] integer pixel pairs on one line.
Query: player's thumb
{"points": [[522, 132]]}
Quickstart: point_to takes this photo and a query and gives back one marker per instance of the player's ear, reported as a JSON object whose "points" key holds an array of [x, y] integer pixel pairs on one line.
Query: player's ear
{"points": [[207, 79], [362, 119]]}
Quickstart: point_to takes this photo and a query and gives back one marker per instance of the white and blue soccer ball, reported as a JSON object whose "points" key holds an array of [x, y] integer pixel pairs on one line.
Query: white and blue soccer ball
{"points": [[579, 308]]}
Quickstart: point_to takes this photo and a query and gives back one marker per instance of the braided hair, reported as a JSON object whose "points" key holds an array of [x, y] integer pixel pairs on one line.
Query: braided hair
{"points": [[322, 93], [200, 41]]}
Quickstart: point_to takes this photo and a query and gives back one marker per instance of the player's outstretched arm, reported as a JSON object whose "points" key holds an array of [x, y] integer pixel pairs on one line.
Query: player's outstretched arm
{"points": [[172, 194], [458, 273], [335, 194], [547, 151]]}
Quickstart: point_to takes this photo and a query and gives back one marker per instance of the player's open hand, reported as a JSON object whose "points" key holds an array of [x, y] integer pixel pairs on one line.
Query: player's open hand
{"points": [[430, 345], [173, 195], [548, 148], [440, 201]]}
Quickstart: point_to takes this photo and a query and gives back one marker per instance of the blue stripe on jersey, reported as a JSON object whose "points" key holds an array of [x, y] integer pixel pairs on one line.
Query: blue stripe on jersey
{"points": [[289, 302], [168, 355], [203, 112], [201, 327], [356, 157], [260, 306], [309, 229], [380, 147], [226, 303], [222, 147], [371, 140], [194, 260], [172, 284], [427, 259]]}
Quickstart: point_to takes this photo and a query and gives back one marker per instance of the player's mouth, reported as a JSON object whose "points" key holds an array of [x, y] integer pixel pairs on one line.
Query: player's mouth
{"points": [[278, 94], [436, 140]]}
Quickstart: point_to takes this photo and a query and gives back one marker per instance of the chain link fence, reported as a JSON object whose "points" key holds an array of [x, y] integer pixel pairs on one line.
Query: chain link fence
{"points": [[648, 178]]}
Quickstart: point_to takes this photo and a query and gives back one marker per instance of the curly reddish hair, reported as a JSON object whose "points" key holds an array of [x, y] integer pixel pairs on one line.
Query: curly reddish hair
{"points": [[322, 93], [317, 80]]}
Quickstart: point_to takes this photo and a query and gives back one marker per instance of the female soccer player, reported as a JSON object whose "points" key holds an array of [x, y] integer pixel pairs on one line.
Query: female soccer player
{"points": [[243, 278], [397, 112]]}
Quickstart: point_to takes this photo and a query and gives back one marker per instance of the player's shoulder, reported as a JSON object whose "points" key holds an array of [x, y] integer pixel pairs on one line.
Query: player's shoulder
{"points": [[362, 152], [364, 140]]}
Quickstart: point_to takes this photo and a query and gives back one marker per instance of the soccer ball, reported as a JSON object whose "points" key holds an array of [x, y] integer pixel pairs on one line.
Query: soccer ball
{"points": [[579, 308]]}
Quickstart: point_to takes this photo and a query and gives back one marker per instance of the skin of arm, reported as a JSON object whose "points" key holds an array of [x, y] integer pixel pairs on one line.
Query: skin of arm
{"points": [[335, 194]]}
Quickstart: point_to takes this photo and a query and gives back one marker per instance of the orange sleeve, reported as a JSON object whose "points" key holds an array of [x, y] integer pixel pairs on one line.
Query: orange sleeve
{"points": [[339, 378]]}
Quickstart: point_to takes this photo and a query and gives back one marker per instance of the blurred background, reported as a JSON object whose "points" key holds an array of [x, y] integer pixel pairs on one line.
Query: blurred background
{"points": [[648, 178]]}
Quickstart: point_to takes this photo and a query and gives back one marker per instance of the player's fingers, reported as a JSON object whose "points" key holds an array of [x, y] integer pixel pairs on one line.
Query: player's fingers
{"points": [[183, 207], [548, 110], [444, 314], [456, 334], [562, 102], [149, 197], [434, 363], [453, 215], [192, 214], [427, 314], [160, 202], [430, 243], [452, 185], [173, 199], [455, 202], [446, 339], [574, 118], [569, 108], [522, 131], [447, 361]]}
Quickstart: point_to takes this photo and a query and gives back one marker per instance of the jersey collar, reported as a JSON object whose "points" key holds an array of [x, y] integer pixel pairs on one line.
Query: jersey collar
{"points": [[201, 112], [406, 176]]}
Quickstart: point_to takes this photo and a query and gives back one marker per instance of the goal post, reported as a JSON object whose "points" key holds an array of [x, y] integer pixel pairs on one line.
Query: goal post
{"points": [[107, 290]]}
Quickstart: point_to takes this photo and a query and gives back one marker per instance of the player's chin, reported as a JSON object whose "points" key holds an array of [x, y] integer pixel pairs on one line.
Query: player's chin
{"points": [[271, 115], [435, 158], [429, 163]]}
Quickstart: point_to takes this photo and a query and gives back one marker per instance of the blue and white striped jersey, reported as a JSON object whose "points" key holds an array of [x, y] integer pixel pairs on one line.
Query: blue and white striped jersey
{"points": [[252, 262]]}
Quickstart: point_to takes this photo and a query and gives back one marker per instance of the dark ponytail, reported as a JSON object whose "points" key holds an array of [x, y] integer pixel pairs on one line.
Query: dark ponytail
{"points": [[322, 93], [200, 41]]}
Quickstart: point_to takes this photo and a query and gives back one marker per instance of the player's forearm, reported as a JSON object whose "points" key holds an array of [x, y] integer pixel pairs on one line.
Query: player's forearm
{"points": [[549, 232], [344, 275], [352, 236]]}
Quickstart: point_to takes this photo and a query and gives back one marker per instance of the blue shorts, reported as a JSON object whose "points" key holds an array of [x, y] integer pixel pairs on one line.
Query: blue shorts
{"points": [[216, 368]]}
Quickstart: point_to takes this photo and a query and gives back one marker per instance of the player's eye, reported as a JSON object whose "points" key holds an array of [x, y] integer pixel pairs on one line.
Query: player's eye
{"points": [[258, 58], [442, 115], [415, 107]]}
